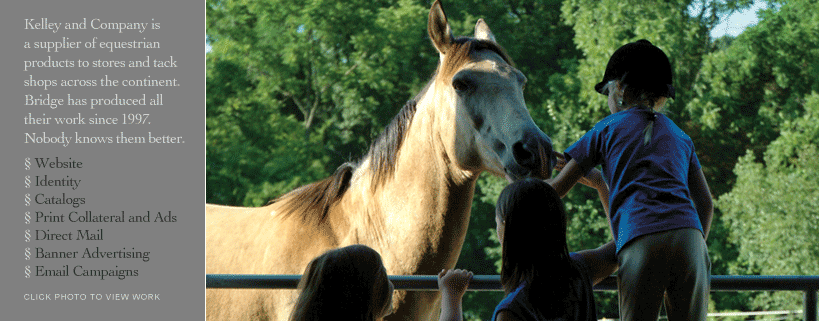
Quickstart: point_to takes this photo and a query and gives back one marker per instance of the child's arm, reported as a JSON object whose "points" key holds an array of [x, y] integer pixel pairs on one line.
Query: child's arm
{"points": [[452, 284], [602, 261], [568, 176], [701, 195], [593, 179]]}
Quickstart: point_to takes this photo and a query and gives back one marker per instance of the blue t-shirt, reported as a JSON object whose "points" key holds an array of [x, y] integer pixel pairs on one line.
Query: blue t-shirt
{"points": [[520, 306], [648, 182]]}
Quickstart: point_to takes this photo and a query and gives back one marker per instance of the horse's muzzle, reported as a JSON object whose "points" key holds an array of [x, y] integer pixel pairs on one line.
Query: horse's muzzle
{"points": [[533, 156]]}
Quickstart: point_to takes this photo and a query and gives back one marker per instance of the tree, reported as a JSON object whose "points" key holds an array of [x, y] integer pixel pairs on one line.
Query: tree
{"points": [[340, 70], [744, 92], [253, 152], [747, 89], [773, 210]]}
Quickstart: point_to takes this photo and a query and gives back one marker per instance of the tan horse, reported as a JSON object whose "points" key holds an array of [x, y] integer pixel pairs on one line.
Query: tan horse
{"points": [[409, 198]]}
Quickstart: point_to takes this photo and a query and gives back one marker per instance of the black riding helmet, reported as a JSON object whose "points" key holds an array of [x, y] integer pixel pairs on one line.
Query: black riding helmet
{"points": [[641, 64]]}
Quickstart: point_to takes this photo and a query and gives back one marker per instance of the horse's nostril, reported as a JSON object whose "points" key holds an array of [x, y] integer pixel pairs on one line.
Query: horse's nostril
{"points": [[499, 147], [523, 155]]}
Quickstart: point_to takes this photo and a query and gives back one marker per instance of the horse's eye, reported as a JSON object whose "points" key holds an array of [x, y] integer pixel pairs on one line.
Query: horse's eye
{"points": [[461, 84]]}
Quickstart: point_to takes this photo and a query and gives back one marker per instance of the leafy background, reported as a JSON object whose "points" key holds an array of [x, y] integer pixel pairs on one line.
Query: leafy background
{"points": [[296, 88]]}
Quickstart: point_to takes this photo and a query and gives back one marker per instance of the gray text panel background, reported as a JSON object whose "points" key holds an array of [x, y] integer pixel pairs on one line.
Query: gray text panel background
{"points": [[135, 178]]}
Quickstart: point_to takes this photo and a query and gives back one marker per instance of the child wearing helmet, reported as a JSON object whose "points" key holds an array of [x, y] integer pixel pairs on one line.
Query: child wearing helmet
{"points": [[660, 206]]}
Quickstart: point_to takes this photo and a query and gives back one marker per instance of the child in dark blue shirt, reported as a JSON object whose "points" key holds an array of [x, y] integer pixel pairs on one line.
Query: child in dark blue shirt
{"points": [[660, 203]]}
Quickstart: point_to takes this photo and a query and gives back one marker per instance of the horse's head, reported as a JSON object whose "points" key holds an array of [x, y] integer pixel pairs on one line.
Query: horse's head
{"points": [[483, 92]]}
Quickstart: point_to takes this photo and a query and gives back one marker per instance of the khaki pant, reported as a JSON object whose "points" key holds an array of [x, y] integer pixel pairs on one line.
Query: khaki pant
{"points": [[671, 266]]}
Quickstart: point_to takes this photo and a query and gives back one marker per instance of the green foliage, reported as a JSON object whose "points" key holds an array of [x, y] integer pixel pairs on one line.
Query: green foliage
{"points": [[745, 91], [252, 150], [773, 210], [323, 77]]}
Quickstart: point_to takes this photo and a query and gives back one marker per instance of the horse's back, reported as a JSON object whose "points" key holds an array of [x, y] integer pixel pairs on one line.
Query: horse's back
{"points": [[228, 234], [260, 240], [257, 240]]}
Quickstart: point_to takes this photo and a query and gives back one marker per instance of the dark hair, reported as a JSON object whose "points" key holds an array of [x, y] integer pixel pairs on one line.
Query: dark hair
{"points": [[534, 241], [347, 283]]}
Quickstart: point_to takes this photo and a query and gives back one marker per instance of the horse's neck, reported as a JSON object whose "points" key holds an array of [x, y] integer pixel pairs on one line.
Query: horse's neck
{"points": [[419, 217]]}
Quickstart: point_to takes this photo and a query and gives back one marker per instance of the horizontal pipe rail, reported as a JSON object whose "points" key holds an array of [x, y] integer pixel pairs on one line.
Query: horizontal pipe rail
{"points": [[809, 284], [492, 282]]}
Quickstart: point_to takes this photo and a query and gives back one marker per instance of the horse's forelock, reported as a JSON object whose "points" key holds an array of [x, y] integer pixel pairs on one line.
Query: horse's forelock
{"points": [[463, 51]]}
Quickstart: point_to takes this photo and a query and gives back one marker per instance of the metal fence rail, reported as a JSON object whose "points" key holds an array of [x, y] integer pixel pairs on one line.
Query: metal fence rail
{"points": [[807, 284]]}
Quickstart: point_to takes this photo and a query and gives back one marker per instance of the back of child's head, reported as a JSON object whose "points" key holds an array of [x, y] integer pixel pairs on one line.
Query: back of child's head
{"points": [[534, 242], [347, 283], [642, 70]]}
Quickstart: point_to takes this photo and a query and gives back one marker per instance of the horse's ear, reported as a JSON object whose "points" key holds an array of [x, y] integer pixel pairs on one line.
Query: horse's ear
{"points": [[438, 28], [482, 31]]}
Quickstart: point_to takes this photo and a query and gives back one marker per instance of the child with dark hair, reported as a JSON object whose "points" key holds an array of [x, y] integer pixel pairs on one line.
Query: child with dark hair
{"points": [[660, 203], [348, 283], [541, 278]]}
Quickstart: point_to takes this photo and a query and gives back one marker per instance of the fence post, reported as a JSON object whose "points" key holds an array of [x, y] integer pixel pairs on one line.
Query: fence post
{"points": [[810, 305]]}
